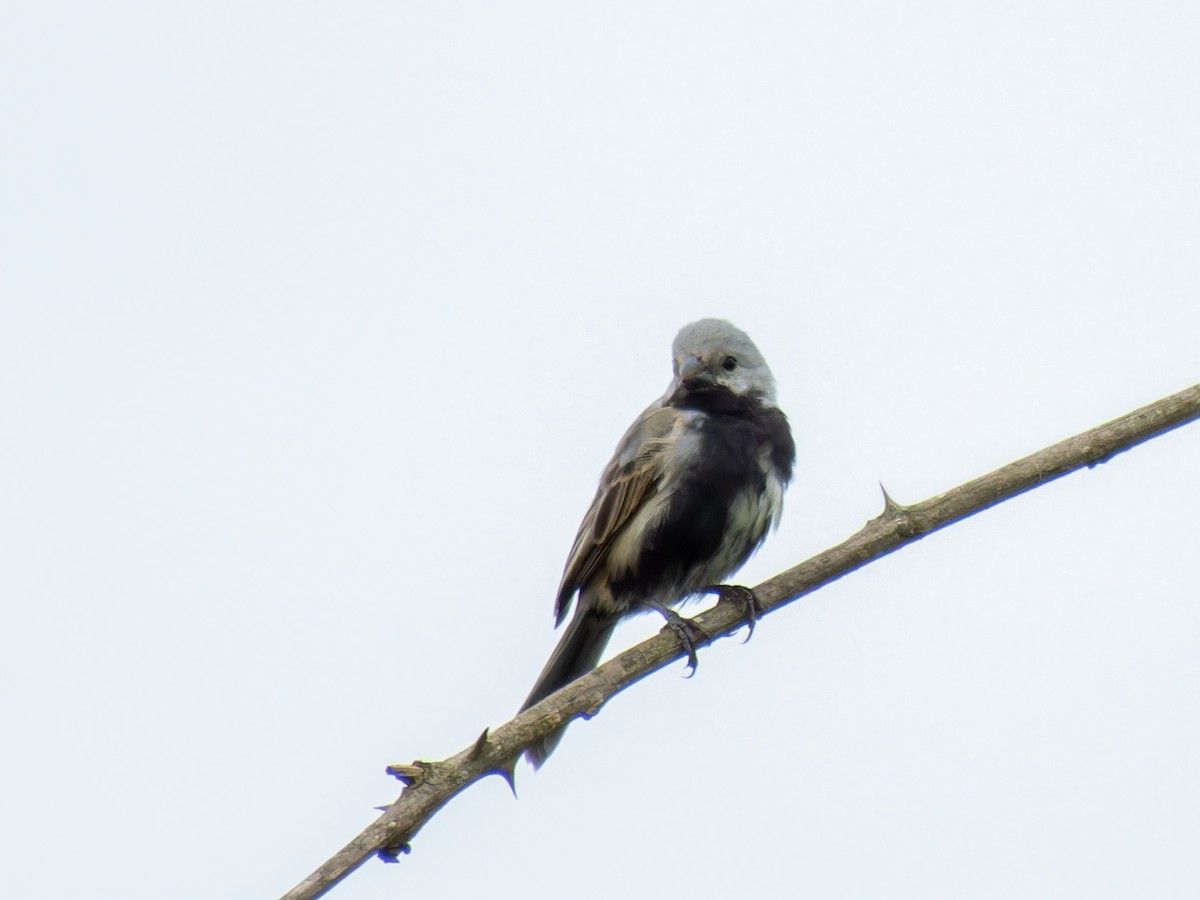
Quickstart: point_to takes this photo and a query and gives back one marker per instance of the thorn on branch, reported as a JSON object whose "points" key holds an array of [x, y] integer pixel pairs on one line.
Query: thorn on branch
{"points": [[507, 771], [392, 854], [509, 774], [907, 525], [480, 745], [411, 776], [890, 506]]}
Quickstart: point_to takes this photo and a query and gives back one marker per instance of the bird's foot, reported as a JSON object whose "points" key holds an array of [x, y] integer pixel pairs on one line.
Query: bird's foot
{"points": [[690, 635], [742, 597]]}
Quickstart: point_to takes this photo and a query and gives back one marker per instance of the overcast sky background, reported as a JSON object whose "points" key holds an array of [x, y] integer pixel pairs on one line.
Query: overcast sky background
{"points": [[319, 322]]}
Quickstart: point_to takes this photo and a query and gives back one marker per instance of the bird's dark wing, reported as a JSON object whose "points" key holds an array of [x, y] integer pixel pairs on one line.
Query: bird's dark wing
{"points": [[628, 483]]}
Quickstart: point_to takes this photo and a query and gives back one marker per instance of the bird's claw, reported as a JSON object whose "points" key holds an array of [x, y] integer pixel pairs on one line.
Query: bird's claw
{"points": [[689, 634], [742, 597]]}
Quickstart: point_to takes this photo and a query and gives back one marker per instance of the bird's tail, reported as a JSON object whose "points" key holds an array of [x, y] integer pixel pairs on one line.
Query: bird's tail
{"points": [[577, 653]]}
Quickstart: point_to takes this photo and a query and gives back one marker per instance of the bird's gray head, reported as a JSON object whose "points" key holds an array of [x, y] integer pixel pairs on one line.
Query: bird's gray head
{"points": [[715, 353]]}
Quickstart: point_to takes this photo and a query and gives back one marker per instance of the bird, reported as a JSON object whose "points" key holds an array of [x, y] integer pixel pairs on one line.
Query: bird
{"points": [[693, 488]]}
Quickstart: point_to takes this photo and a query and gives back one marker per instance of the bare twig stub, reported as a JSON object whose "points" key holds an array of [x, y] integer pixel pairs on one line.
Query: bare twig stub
{"points": [[430, 785]]}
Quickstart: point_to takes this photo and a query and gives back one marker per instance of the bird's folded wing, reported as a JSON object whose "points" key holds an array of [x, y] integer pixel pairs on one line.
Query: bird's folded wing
{"points": [[631, 479]]}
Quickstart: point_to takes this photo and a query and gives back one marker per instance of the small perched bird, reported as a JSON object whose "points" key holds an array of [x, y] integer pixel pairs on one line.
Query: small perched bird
{"points": [[689, 495]]}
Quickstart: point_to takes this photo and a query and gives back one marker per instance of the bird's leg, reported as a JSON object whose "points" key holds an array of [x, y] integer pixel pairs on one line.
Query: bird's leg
{"points": [[685, 629], [742, 597]]}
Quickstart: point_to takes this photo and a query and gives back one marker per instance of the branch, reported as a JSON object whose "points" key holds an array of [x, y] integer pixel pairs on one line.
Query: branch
{"points": [[431, 785]]}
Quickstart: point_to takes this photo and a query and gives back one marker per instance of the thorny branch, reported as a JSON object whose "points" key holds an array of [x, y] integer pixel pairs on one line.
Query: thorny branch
{"points": [[430, 785]]}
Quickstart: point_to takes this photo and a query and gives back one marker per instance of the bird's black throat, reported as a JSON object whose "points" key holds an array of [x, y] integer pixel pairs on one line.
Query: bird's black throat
{"points": [[716, 399], [756, 423]]}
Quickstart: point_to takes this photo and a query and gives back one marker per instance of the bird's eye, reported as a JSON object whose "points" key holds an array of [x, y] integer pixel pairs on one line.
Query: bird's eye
{"points": [[729, 364]]}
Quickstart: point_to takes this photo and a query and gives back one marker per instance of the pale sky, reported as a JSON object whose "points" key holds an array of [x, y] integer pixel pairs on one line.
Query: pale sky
{"points": [[319, 321]]}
